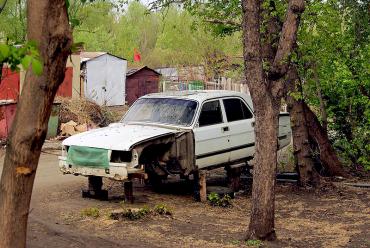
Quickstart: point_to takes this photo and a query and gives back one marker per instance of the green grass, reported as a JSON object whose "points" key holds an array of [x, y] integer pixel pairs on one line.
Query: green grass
{"points": [[90, 212], [254, 243]]}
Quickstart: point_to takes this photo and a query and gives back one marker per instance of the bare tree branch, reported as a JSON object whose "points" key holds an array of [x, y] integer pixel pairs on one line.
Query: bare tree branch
{"points": [[287, 40], [2, 6], [160, 4], [86, 30], [224, 22]]}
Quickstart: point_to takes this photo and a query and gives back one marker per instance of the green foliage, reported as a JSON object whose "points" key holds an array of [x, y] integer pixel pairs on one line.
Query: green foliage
{"points": [[90, 212], [13, 22], [296, 95], [223, 17], [136, 214], [249, 243], [162, 209], [169, 37], [235, 242], [254, 243], [215, 200], [26, 56], [334, 43]]}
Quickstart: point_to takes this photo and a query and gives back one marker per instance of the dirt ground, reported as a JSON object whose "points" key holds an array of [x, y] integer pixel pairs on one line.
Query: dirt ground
{"points": [[334, 216]]}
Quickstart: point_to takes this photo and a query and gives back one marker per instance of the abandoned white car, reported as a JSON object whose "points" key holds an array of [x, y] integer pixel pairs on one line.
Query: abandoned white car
{"points": [[169, 133]]}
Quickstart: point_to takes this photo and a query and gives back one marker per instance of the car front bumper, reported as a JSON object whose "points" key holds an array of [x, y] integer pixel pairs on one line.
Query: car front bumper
{"points": [[116, 171]]}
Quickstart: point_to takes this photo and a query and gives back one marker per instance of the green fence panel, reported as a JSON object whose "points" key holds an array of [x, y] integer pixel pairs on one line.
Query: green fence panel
{"points": [[196, 85], [53, 123]]}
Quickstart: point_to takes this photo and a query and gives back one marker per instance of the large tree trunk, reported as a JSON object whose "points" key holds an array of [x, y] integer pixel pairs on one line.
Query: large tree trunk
{"points": [[324, 115], [305, 166], [47, 25], [266, 92], [328, 157], [262, 225]]}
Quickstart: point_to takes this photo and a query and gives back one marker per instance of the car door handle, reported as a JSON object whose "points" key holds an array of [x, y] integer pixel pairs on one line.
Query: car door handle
{"points": [[253, 123], [225, 129]]}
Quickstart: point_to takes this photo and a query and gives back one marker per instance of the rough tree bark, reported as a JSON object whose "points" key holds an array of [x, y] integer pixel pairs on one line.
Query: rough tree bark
{"points": [[307, 128], [266, 92], [328, 157], [262, 225], [305, 166], [48, 25], [324, 115]]}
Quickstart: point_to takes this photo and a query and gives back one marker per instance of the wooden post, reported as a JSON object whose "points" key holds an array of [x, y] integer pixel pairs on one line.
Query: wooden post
{"points": [[95, 189], [95, 183], [233, 175], [196, 185], [202, 186], [128, 189]]}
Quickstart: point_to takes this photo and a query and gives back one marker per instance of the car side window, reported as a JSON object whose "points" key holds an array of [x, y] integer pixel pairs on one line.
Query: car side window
{"points": [[210, 114], [236, 110]]}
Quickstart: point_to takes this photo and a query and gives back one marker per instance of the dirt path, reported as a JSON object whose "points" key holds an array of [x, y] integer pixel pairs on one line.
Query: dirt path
{"points": [[331, 217]]}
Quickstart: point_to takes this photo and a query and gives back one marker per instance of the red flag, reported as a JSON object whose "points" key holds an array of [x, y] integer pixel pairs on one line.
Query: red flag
{"points": [[137, 56]]}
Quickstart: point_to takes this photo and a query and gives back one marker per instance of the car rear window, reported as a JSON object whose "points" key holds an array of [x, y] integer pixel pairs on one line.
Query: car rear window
{"points": [[236, 110], [211, 113]]}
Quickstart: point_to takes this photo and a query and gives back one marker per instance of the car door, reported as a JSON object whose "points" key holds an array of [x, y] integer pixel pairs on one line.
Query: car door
{"points": [[240, 121], [211, 136]]}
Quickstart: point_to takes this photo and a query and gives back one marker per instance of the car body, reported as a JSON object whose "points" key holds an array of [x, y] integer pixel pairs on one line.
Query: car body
{"points": [[170, 133]]}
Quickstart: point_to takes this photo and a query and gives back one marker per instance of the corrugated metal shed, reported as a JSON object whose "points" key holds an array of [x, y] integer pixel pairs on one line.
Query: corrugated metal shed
{"points": [[8, 109], [65, 89], [7, 114], [169, 73], [140, 82], [9, 85], [104, 78], [90, 55]]}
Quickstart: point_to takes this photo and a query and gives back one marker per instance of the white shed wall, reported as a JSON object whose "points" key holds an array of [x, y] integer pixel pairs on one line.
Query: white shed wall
{"points": [[105, 80]]}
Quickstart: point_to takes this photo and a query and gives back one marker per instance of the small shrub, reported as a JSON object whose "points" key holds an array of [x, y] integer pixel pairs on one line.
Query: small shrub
{"points": [[108, 116], [215, 200], [136, 214], [254, 243], [144, 210], [235, 242], [90, 212], [225, 201], [162, 209]]}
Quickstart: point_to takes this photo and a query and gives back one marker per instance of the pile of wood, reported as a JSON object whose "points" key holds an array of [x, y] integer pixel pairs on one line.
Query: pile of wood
{"points": [[71, 128]]}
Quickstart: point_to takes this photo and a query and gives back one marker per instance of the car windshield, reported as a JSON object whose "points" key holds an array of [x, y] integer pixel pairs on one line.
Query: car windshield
{"points": [[172, 111]]}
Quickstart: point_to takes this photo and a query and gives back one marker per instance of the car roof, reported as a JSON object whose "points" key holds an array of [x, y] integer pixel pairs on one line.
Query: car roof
{"points": [[200, 95]]}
